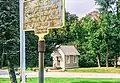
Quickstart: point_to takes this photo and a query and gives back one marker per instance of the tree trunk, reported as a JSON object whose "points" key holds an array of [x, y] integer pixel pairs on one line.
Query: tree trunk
{"points": [[1, 61], [98, 60], [11, 70], [107, 55], [115, 61]]}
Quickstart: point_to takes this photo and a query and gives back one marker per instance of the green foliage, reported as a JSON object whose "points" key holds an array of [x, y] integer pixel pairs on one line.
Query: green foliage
{"points": [[9, 23], [110, 23], [9, 37], [31, 50], [87, 61], [68, 80]]}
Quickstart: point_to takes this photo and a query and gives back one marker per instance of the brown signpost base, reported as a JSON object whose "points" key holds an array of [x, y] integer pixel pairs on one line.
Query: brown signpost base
{"points": [[41, 50]]}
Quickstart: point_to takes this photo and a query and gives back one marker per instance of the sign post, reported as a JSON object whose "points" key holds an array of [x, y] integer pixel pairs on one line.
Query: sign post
{"points": [[40, 16], [41, 50]]}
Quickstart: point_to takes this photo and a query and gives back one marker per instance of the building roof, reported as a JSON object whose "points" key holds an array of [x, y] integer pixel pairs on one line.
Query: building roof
{"points": [[67, 50]]}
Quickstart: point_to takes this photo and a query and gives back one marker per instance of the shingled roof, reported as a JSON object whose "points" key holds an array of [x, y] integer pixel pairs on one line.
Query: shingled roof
{"points": [[69, 50]]}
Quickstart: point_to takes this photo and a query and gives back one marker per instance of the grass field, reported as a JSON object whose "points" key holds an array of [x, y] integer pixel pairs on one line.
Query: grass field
{"points": [[67, 80], [95, 70], [88, 70], [84, 70]]}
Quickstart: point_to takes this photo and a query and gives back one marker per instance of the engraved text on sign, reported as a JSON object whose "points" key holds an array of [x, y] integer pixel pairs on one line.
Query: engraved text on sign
{"points": [[40, 15]]}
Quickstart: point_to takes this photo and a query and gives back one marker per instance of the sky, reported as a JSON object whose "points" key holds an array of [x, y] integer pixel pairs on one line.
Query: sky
{"points": [[80, 7]]}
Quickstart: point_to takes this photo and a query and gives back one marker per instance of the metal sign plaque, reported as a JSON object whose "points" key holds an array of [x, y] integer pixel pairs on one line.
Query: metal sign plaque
{"points": [[41, 15]]}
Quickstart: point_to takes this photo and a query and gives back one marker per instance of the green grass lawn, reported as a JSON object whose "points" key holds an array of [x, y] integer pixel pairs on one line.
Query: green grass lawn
{"points": [[67, 80], [95, 70], [84, 70], [87, 70]]}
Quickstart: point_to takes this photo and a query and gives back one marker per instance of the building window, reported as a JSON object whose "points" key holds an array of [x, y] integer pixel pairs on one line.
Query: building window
{"points": [[67, 59], [74, 59]]}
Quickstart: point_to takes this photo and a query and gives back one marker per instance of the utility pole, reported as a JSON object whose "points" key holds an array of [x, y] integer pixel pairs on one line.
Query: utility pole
{"points": [[22, 44]]}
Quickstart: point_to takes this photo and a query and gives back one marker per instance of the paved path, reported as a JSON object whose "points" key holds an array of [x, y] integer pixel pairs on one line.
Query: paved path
{"points": [[4, 74]]}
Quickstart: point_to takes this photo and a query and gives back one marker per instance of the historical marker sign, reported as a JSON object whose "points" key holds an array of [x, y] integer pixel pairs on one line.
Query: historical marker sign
{"points": [[41, 15]]}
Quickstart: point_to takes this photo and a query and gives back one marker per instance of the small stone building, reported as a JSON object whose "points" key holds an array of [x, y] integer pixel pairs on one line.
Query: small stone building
{"points": [[118, 61], [65, 57]]}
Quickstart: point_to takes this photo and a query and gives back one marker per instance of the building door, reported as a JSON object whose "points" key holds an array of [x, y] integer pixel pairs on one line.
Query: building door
{"points": [[58, 61]]}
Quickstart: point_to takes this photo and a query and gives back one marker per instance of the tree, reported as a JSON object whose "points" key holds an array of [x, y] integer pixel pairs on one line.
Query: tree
{"points": [[31, 50], [115, 46], [110, 24], [9, 40], [94, 38]]}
